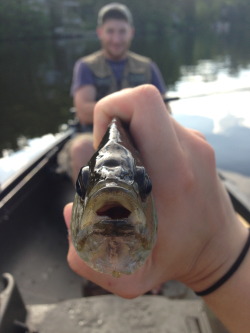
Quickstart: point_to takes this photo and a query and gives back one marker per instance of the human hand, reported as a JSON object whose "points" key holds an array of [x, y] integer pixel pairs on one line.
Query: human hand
{"points": [[198, 234]]}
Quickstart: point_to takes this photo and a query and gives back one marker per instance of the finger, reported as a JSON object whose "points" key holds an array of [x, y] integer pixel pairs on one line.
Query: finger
{"points": [[67, 214], [150, 125], [198, 134], [109, 107], [130, 105], [127, 286]]}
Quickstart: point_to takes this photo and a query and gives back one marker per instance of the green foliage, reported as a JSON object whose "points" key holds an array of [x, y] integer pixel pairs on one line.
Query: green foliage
{"points": [[19, 19], [29, 18]]}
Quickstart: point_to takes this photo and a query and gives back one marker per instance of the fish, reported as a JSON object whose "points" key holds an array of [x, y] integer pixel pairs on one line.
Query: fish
{"points": [[114, 221]]}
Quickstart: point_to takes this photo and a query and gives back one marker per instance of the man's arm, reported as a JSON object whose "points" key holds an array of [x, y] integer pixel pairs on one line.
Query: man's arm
{"points": [[158, 81], [84, 102], [84, 92]]}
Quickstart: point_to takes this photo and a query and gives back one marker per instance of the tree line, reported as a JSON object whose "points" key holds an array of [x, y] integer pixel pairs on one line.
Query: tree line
{"points": [[48, 18]]}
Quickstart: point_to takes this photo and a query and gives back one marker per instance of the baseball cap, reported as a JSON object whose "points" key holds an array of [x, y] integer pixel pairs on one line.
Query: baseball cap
{"points": [[114, 10]]}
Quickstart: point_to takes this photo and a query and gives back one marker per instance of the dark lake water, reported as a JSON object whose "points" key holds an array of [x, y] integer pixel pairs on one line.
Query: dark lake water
{"points": [[36, 76]]}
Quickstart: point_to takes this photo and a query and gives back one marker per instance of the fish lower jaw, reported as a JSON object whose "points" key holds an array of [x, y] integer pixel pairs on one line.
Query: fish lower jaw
{"points": [[116, 226], [115, 260]]}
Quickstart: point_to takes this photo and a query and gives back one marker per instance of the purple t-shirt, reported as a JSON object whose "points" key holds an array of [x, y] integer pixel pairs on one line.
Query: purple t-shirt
{"points": [[83, 75]]}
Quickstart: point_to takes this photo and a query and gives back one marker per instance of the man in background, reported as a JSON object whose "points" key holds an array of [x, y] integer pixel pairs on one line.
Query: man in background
{"points": [[110, 69]]}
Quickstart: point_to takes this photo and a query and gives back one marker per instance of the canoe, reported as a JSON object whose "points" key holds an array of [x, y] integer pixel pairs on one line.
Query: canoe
{"points": [[33, 249]]}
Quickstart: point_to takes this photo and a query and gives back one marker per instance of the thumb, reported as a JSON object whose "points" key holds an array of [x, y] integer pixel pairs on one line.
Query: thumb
{"points": [[67, 214]]}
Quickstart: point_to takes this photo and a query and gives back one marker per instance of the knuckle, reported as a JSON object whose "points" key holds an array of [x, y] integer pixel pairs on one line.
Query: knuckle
{"points": [[148, 91], [209, 156]]}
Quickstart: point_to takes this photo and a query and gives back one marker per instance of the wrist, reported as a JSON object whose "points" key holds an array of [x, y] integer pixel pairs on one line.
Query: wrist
{"points": [[219, 260], [230, 272], [230, 302]]}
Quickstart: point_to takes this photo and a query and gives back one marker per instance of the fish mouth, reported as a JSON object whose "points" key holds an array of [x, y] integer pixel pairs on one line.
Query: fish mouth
{"points": [[115, 220], [112, 211]]}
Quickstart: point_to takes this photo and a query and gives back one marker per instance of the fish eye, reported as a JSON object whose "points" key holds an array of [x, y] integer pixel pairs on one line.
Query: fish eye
{"points": [[143, 181], [82, 181]]}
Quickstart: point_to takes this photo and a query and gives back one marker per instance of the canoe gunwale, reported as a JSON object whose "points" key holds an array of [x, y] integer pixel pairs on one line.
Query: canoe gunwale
{"points": [[15, 184]]}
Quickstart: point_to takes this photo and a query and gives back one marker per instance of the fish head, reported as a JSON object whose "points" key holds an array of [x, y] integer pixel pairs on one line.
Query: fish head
{"points": [[114, 227], [113, 221], [115, 162]]}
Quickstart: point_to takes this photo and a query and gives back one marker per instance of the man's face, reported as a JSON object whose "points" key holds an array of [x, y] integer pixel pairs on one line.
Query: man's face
{"points": [[115, 36]]}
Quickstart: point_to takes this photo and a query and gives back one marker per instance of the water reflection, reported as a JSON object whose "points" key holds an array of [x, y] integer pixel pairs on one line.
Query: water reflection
{"points": [[36, 76], [224, 119], [35, 80], [232, 149]]}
